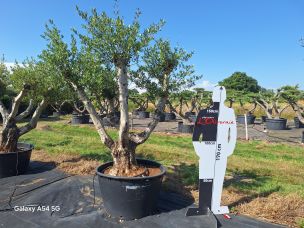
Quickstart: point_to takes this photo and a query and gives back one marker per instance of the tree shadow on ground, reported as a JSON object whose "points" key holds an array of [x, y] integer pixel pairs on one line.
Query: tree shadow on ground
{"points": [[40, 167], [105, 157], [249, 183]]}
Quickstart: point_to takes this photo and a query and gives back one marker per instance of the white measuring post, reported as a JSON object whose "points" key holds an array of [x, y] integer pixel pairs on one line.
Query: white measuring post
{"points": [[214, 139], [246, 126]]}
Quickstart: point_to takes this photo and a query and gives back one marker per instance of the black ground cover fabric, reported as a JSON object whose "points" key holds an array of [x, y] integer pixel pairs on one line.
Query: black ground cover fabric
{"points": [[44, 185]]}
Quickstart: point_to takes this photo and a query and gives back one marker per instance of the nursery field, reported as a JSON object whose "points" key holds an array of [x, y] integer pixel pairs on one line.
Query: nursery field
{"points": [[264, 180]]}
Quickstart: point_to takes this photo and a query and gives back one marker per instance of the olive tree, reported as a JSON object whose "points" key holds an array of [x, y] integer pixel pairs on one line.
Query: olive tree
{"points": [[162, 57], [30, 81], [271, 102], [116, 45], [292, 95], [140, 99], [186, 101]]}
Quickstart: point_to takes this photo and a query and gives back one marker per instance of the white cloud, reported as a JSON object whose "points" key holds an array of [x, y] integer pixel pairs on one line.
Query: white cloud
{"points": [[133, 86], [207, 85], [9, 65]]}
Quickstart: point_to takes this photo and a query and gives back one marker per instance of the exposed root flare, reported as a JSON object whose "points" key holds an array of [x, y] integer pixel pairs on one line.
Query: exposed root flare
{"points": [[133, 171]]}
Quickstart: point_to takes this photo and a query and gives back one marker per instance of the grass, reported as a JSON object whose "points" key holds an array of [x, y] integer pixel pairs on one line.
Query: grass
{"points": [[256, 169], [276, 166]]}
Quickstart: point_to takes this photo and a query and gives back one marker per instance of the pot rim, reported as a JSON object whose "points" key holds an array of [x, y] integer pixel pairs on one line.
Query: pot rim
{"points": [[107, 164], [273, 119], [30, 147]]}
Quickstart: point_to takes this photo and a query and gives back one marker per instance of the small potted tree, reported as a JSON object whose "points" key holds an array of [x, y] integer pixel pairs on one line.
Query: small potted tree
{"points": [[128, 186], [184, 104], [142, 102], [64, 100], [246, 98], [292, 95], [30, 83], [272, 103]]}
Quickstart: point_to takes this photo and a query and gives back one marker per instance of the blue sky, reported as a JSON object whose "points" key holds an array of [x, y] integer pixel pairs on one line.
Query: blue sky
{"points": [[258, 37]]}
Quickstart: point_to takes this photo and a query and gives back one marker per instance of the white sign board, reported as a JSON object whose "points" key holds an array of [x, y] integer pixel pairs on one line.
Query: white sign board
{"points": [[214, 139]]}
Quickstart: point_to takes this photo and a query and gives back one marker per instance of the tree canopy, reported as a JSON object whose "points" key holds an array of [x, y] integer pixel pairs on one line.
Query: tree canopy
{"points": [[240, 81]]}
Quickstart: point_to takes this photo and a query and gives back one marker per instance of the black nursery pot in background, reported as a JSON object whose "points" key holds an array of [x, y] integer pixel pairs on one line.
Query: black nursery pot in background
{"points": [[80, 119], [298, 123], [169, 116], [130, 197], [8, 161], [143, 114], [162, 117], [185, 128], [241, 119], [276, 124]]}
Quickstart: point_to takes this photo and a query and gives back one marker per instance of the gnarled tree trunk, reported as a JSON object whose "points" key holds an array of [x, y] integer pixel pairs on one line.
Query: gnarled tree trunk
{"points": [[9, 137], [11, 132]]}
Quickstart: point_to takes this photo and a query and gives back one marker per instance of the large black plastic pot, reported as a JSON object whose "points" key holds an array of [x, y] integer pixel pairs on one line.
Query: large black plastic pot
{"points": [[130, 197], [169, 116], [162, 117], [241, 119], [276, 124], [143, 114], [185, 128], [80, 119], [298, 123], [8, 161], [85, 119]]}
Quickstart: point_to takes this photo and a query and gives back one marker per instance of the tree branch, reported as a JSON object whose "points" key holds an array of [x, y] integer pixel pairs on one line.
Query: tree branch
{"points": [[33, 122], [78, 109], [26, 112], [178, 113], [144, 135], [265, 107], [282, 110], [254, 107], [105, 138], [298, 112], [16, 102], [3, 111]]}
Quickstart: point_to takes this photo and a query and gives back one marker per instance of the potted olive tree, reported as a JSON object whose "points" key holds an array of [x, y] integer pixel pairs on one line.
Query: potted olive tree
{"points": [[249, 99], [292, 95], [142, 102], [129, 186], [272, 103], [184, 104], [30, 83]]}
